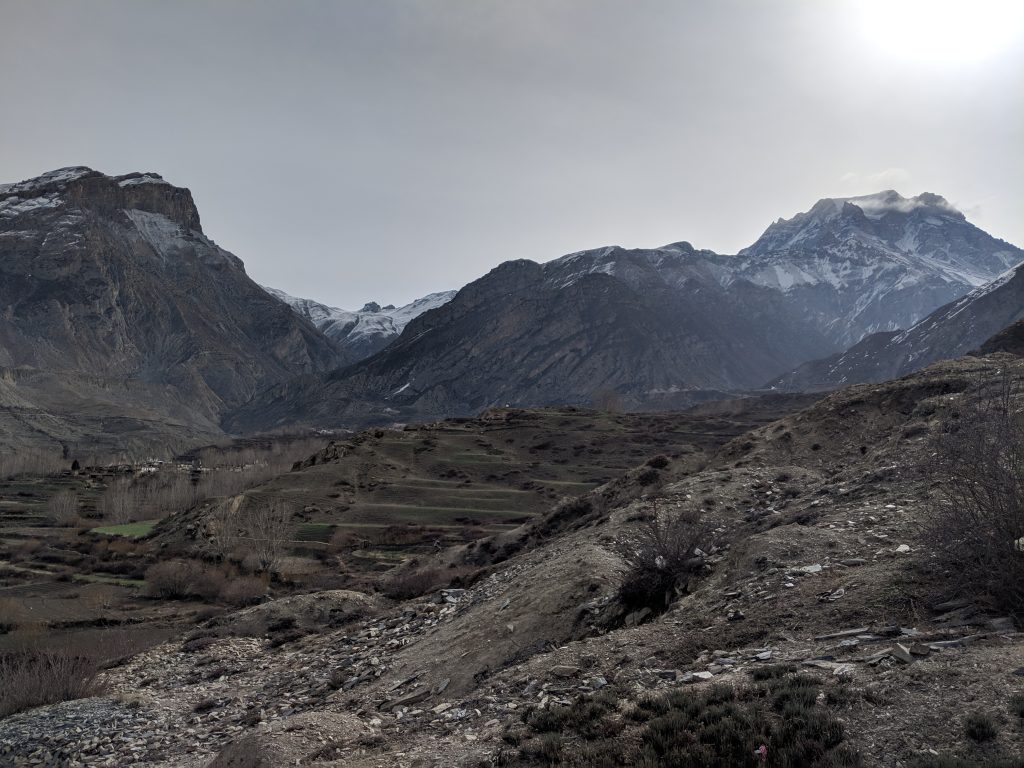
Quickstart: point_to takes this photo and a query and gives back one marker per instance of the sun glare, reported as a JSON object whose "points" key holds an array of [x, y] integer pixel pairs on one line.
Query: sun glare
{"points": [[943, 31]]}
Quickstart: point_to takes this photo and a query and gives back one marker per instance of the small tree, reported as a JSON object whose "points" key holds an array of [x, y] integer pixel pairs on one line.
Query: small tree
{"points": [[63, 507], [118, 503], [264, 527], [978, 514]]}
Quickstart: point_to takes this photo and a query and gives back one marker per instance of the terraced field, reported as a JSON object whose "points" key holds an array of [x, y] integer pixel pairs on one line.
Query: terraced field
{"points": [[398, 492], [359, 507]]}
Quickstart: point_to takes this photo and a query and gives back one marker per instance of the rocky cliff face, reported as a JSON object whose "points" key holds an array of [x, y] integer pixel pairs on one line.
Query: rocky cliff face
{"points": [[115, 302], [660, 327]]}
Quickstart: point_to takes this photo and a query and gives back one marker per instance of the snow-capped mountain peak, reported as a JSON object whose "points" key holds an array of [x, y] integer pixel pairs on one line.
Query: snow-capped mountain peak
{"points": [[368, 330]]}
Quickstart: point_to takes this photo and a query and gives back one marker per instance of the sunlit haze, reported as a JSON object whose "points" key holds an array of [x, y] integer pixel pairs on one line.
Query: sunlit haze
{"points": [[384, 149]]}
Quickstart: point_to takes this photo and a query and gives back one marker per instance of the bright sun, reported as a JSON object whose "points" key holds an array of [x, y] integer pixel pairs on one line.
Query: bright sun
{"points": [[943, 31]]}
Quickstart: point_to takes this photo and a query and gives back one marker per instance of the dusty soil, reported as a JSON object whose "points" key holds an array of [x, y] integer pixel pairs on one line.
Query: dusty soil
{"points": [[817, 558]]}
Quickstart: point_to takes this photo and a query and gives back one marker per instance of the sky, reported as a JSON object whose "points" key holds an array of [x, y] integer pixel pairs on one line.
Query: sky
{"points": [[358, 150]]}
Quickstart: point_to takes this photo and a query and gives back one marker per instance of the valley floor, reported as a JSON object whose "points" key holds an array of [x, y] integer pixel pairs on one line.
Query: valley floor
{"points": [[818, 572]]}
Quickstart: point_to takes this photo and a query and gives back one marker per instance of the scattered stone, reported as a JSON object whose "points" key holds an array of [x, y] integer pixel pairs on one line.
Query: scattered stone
{"points": [[1002, 624], [903, 549], [564, 671], [637, 617], [844, 633], [901, 653], [412, 698]]}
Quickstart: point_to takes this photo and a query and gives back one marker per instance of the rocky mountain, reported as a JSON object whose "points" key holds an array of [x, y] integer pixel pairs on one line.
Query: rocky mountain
{"points": [[659, 327], [366, 331], [122, 320], [975, 321], [890, 260]]}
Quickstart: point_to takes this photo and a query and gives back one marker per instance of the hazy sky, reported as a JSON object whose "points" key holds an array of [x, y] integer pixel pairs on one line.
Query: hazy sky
{"points": [[370, 149]]}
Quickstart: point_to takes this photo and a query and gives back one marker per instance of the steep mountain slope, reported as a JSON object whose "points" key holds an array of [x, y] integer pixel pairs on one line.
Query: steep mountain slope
{"points": [[367, 331], [659, 326], [950, 331], [116, 306]]}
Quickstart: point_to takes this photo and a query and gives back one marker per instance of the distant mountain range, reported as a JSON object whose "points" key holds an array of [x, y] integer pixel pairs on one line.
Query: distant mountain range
{"points": [[361, 333], [659, 328], [125, 325]]}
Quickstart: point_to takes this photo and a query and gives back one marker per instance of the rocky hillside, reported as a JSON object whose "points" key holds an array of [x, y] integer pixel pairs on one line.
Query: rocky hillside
{"points": [[121, 315], [364, 332], [955, 329], [819, 623], [658, 328]]}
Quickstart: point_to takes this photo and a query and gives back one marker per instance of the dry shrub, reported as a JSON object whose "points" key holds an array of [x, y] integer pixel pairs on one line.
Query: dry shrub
{"points": [[244, 590], [26, 550], [257, 532], [978, 521], [247, 752], [662, 556], [63, 507], [32, 678], [173, 579], [413, 582]]}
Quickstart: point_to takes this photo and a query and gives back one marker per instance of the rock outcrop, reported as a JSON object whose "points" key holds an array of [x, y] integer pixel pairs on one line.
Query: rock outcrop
{"points": [[117, 307]]}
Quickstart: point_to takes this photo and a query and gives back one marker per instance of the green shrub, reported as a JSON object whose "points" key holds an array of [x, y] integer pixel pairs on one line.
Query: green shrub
{"points": [[716, 727], [980, 727], [1017, 705]]}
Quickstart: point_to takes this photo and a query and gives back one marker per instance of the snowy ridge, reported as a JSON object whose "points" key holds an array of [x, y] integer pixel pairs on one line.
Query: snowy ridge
{"points": [[367, 330], [861, 265], [57, 179], [135, 179]]}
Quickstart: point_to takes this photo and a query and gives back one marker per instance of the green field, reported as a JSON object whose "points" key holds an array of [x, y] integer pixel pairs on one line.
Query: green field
{"points": [[128, 530]]}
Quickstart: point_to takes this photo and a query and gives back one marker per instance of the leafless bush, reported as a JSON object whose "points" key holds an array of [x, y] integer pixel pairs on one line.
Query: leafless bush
{"points": [[978, 520], [410, 583], [63, 507], [31, 678], [243, 590], [660, 558], [265, 528], [256, 529], [173, 579], [247, 752]]}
